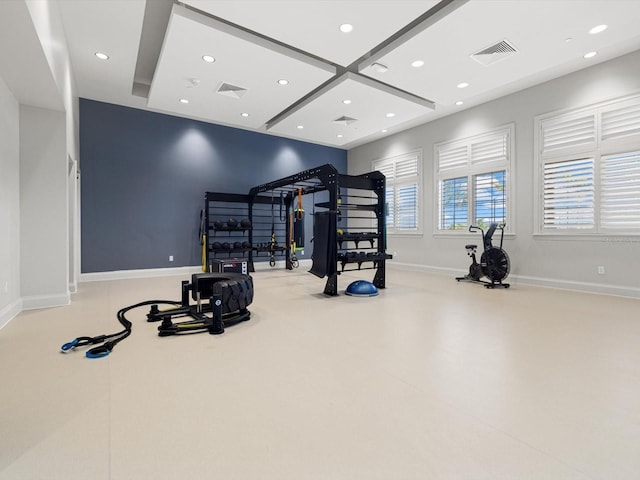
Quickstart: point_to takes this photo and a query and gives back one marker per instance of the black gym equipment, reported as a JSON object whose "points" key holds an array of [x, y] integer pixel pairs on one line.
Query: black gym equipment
{"points": [[292, 244], [271, 234], [228, 295], [494, 261], [298, 223]]}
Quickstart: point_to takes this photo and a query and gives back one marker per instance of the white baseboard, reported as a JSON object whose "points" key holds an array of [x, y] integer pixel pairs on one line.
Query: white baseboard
{"points": [[165, 272], [601, 288], [604, 289], [45, 301], [424, 268], [143, 273], [9, 312]]}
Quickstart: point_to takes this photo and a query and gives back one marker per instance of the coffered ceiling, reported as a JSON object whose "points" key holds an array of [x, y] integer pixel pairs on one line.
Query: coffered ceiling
{"points": [[285, 67]]}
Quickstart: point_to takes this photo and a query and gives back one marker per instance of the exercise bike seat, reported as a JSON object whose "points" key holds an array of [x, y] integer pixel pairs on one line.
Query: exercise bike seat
{"points": [[470, 247]]}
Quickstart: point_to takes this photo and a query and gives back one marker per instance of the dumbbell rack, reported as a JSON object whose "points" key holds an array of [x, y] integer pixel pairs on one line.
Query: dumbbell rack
{"points": [[224, 241]]}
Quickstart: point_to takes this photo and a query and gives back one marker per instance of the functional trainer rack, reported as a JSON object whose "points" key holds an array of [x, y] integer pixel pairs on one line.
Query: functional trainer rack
{"points": [[348, 222]]}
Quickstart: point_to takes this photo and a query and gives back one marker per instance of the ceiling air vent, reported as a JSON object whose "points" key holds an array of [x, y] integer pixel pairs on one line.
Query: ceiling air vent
{"points": [[232, 91], [494, 53], [345, 120]]}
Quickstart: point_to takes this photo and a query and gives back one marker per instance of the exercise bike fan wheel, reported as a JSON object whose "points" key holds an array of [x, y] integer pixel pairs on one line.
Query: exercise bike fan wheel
{"points": [[495, 264]]}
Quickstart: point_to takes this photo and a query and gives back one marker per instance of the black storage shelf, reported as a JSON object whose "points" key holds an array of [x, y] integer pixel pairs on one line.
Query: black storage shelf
{"points": [[270, 206], [229, 229], [357, 237]]}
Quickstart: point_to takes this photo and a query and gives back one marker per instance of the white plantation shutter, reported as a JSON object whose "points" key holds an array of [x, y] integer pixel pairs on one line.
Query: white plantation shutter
{"points": [[492, 149], [620, 192], [402, 195], [590, 170], [407, 201], [454, 204], [568, 133], [390, 203], [621, 122], [472, 175], [407, 167], [490, 198], [569, 194], [452, 157]]}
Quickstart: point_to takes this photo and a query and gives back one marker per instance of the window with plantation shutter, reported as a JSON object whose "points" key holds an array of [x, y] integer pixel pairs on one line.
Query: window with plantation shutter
{"points": [[569, 194], [402, 174], [490, 198], [620, 192], [454, 203], [389, 201], [589, 169], [472, 176]]}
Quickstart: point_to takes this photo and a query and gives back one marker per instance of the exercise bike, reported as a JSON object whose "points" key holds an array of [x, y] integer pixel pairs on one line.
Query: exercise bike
{"points": [[494, 261]]}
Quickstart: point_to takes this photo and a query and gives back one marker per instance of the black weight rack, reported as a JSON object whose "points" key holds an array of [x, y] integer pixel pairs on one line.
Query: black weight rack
{"points": [[348, 223], [358, 201], [225, 240]]}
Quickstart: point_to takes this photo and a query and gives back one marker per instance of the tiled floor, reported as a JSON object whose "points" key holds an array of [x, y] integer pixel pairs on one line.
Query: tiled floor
{"points": [[429, 380]]}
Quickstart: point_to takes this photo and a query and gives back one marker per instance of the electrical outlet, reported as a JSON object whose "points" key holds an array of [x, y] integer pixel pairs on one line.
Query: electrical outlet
{"points": [[600, 270], [171, 258]]}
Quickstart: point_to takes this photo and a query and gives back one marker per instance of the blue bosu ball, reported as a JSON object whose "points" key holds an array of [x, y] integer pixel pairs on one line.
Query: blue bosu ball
{"points": [[362, 288]]}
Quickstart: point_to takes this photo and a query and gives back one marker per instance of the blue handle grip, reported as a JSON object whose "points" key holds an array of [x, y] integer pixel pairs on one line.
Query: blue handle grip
{"points": [[98, 352], [69, 345]]}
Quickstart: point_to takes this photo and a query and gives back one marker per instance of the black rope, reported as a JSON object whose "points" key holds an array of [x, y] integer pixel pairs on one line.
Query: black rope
{"points": [[111, 340]]}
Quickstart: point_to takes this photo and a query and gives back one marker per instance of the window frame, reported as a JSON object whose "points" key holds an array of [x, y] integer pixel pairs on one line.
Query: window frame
{"points": [[599, 149], [384, 163], [467, 168]]}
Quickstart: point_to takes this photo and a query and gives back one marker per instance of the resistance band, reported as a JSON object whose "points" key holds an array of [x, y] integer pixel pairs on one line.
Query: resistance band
{"points": [[298, 225], [110, 341]]}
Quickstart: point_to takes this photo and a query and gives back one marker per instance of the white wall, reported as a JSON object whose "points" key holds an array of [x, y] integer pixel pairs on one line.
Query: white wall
{"points": [[567, 263], [48, 26], [44, 228], [10, 304]]}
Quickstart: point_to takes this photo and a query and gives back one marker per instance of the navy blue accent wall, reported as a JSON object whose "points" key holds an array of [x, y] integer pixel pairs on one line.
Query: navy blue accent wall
{"points": [[144, 175]]}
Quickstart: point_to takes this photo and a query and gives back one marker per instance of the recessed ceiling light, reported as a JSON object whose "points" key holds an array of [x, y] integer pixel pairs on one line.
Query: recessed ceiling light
{"points": [[102, 56], [184, 100], [208, 58], [339, 136], [417, 63], [390, 115], [300, 127], [459, 102], [463, 85], [283, 81], [384, 131], [346, 102], [346, 28], [598, 29], [590, 54], [244, 114]]}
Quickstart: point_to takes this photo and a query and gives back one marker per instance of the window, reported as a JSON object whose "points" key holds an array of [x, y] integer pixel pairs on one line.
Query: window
{"points": [[472, 176], [403, 191], [589, 169]]}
